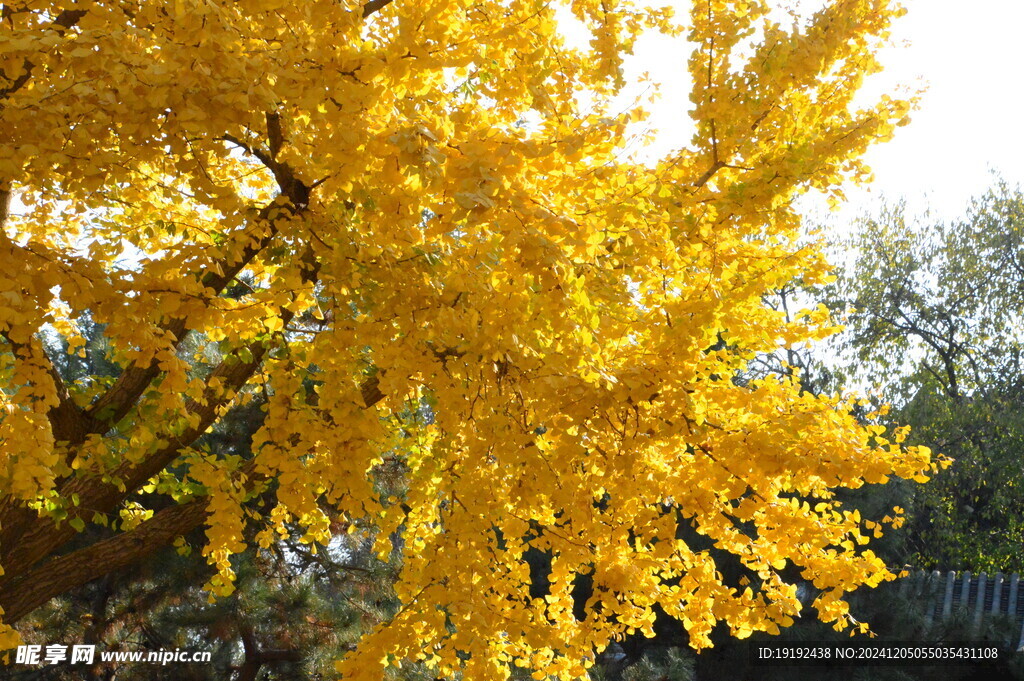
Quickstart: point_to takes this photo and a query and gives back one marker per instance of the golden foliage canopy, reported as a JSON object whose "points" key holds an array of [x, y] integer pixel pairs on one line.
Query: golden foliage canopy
{"points": [[435, 255]]}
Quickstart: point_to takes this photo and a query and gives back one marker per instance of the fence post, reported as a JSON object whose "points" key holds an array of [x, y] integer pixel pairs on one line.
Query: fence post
{"points": [[965, 591], [947, 601], [979, 603], [930, 597], [997, 592]]}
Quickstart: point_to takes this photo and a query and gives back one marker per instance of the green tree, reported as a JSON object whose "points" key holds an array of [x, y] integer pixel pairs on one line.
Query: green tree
{"points": [[936, 325]]}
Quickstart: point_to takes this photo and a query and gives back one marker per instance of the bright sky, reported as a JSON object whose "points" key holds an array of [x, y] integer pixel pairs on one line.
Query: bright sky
{"points": [[971, 120], [971, 54]]}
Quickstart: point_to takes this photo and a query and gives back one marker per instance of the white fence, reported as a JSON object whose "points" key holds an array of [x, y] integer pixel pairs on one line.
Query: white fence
{"points": [[981, 596]]}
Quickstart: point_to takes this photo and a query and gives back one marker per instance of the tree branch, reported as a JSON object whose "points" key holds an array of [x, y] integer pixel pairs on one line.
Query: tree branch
{"points": [[67, 420], [63, 22], [374, 6], [35, 541], [113, 405], [33, 588], [5, 211], [24, 542]]}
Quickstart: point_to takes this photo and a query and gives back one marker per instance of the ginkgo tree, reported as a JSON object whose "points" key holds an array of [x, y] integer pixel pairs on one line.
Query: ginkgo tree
{"points": [[398, 224]]}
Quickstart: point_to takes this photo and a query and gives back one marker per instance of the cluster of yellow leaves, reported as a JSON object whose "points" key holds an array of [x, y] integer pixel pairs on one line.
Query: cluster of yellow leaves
{"points": [[550, 331]]}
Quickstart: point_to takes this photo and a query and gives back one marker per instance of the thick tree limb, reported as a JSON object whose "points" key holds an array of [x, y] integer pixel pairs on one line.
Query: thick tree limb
{"points": [[37, 540], [23, 540], [21, 536], [21, 594], [97, 496], [33, 588]]}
